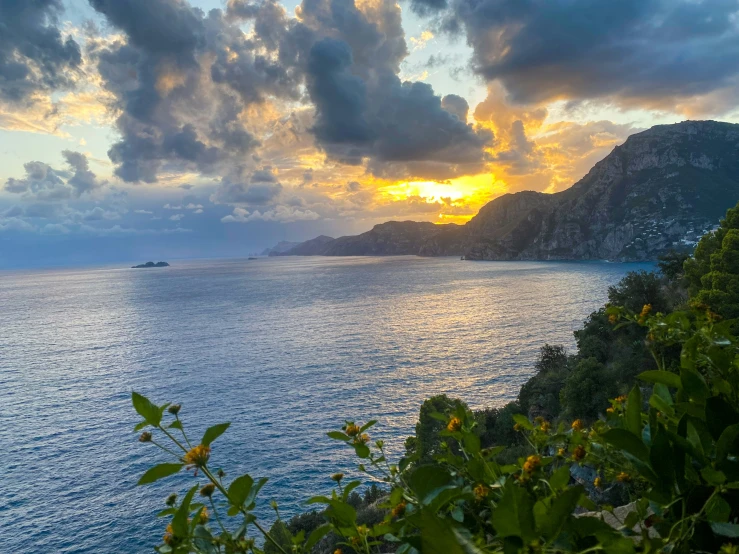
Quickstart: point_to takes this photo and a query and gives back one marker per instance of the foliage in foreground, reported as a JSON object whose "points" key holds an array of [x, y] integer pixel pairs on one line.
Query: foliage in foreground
{"points": [[675, 449]]}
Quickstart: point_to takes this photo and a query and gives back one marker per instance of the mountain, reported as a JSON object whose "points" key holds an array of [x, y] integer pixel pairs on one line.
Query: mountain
{"points": [[313, 247], [393, 238], [662, 189], [280, 248]]}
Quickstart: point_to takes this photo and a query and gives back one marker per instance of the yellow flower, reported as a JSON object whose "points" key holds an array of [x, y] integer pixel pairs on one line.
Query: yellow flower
{"points": [[598, 482], [532, 464], [623, 477], [561, 452], [481, 491], [208, 490], [399, 510], [198, 456], [168, 534], [577, 425], [612, 319], [545, 426], [352, 430], [609, 410], [517, 427], [362, 530], [204, 517], [338, 551], [621, 399], [361, 439], [455, 424], [579, 453]]}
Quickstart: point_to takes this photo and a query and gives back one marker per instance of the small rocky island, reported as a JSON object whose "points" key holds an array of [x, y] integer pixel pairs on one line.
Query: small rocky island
{"points": [[150, 264]]}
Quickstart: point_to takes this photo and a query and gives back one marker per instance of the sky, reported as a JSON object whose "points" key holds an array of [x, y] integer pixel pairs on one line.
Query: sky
{"points": [[170, 129]]}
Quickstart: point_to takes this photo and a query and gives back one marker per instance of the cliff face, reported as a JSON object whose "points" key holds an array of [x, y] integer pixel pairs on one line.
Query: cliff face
{"points": [[662, 189]]}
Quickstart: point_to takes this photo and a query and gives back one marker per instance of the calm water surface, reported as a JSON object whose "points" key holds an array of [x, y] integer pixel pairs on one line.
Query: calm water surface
{"points": [[284, 348]]}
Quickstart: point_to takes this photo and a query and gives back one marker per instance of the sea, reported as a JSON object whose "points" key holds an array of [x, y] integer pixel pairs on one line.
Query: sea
{"points": [[285, 349]]}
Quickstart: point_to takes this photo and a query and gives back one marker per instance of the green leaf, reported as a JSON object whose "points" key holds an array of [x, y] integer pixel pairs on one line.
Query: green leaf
{"points": [[362, 450], [694, 384], [179, 521], [146, 409], [730, 530], [141, 425], [203, 540], [428, 481], [728, 443], [664, 377], [367, 425], [440, 536], [349, 488], [561, 509], [212, 433], [255, 490], [239, 490], [523, 421], [471, 443], [343, 513], [718, 510], [661, 457], [338, 436], [560, 478], [514, 516], [633, 411], [158, 472], [713, 477], [317, 534], [177, 424], [628, 442]]}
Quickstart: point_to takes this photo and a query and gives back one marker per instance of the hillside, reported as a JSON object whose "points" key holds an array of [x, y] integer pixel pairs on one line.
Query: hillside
{"points": [[661, 190]]}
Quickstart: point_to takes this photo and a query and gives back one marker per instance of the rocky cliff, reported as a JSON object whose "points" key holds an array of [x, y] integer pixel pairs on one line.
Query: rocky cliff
{"points": [[662, 189]]}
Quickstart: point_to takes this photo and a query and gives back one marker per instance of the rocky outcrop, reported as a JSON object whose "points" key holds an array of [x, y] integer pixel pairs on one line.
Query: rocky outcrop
{"points": [[662, 189]]}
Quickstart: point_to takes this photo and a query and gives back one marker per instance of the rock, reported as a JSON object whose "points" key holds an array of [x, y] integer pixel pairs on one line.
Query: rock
{"points": [[150, 264]]}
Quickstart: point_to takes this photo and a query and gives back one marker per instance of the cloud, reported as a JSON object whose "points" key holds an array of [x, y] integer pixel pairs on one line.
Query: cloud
{"points": [[181, 81], [176, 217], [258, 189], [282, 214], [44, 183], [34, 56], [630, 51]]}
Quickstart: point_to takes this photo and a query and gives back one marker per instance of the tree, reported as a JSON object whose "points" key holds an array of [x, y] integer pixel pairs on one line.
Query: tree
{"points": [[427, 442], [713, 272]]}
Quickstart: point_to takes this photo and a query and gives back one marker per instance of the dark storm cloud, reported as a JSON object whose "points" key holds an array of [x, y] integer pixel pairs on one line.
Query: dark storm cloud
{"points": [[456, 105], [181, 94], [34, 56], [425, 7], [339, 96], [543, 49], [181, 81], [364, 111]]}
